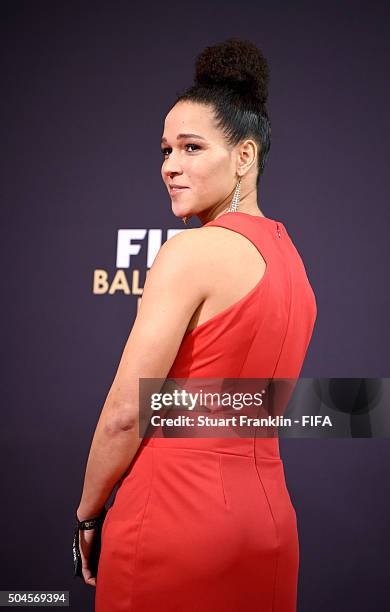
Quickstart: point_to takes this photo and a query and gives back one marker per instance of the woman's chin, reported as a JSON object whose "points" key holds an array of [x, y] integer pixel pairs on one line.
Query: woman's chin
{"points": [[180, 212]]}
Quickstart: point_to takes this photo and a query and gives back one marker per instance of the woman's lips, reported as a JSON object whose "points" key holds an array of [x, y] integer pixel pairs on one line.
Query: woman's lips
{"points": [[176, 190]]}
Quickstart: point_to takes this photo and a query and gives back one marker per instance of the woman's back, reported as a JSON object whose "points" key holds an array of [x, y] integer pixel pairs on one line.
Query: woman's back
{"points": [[267, 331], [206, 523]]}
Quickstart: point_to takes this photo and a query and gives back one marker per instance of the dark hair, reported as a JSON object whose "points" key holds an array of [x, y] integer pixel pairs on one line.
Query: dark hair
{"points": [[233, 77]]}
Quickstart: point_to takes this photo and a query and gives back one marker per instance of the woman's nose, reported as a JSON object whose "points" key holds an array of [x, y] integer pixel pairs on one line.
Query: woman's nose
{"points": [[172, 165]]}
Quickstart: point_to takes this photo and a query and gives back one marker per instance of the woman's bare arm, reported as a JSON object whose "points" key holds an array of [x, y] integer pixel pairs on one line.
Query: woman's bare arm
{"points": [[175, 286]]}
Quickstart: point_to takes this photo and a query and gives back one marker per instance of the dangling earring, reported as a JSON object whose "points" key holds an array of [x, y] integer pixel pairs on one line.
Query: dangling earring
{"points": [[236, 197]]}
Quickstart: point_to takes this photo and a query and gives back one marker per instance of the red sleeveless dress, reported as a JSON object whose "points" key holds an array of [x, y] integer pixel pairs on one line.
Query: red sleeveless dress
{"points": [[207, 524]]}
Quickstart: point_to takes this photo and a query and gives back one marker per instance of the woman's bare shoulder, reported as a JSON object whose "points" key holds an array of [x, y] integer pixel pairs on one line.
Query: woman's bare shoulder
{"points": [[210, 254], [184, 255]]}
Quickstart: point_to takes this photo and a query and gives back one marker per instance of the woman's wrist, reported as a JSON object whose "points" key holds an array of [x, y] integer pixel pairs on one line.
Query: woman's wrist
{"points": [[86, 514]]}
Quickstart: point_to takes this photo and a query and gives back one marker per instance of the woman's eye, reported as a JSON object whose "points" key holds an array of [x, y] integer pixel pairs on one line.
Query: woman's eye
{"points": [[193, 145], [168, 149]]}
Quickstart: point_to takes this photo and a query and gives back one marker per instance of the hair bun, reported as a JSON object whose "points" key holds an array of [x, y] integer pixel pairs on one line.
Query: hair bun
{"points": [[237, 64]]}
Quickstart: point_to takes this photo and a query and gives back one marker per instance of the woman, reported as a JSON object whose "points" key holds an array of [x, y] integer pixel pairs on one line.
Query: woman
{"points": [[205, 523]]}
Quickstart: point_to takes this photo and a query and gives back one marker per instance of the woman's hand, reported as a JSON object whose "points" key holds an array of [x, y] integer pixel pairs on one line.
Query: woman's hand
{"points": [[85, 544]]}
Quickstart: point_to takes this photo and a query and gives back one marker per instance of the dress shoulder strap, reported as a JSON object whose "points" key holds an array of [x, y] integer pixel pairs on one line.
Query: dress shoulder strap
{"points": [[261, 231]]}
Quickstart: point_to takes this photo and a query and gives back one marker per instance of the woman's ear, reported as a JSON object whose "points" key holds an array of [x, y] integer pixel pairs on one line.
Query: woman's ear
{"points": [[247, 155]]}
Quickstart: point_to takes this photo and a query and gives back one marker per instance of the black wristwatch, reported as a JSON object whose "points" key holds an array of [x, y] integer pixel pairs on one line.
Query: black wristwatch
{"points": [[92, 522]]}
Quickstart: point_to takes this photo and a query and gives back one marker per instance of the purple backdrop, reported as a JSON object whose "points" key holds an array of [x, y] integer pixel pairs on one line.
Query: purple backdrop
{"points": [[85, 88]]}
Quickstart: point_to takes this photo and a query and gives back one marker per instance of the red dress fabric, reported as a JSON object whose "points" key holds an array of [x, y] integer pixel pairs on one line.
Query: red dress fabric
{"points": [[207, 524]]}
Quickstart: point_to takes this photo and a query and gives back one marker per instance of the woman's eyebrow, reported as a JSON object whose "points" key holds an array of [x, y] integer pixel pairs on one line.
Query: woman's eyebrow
{"points": [[163, 139]]}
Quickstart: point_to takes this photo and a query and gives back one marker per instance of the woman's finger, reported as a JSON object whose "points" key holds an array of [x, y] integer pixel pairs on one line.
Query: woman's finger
{"points": [[85, 549], [88, 578]]}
